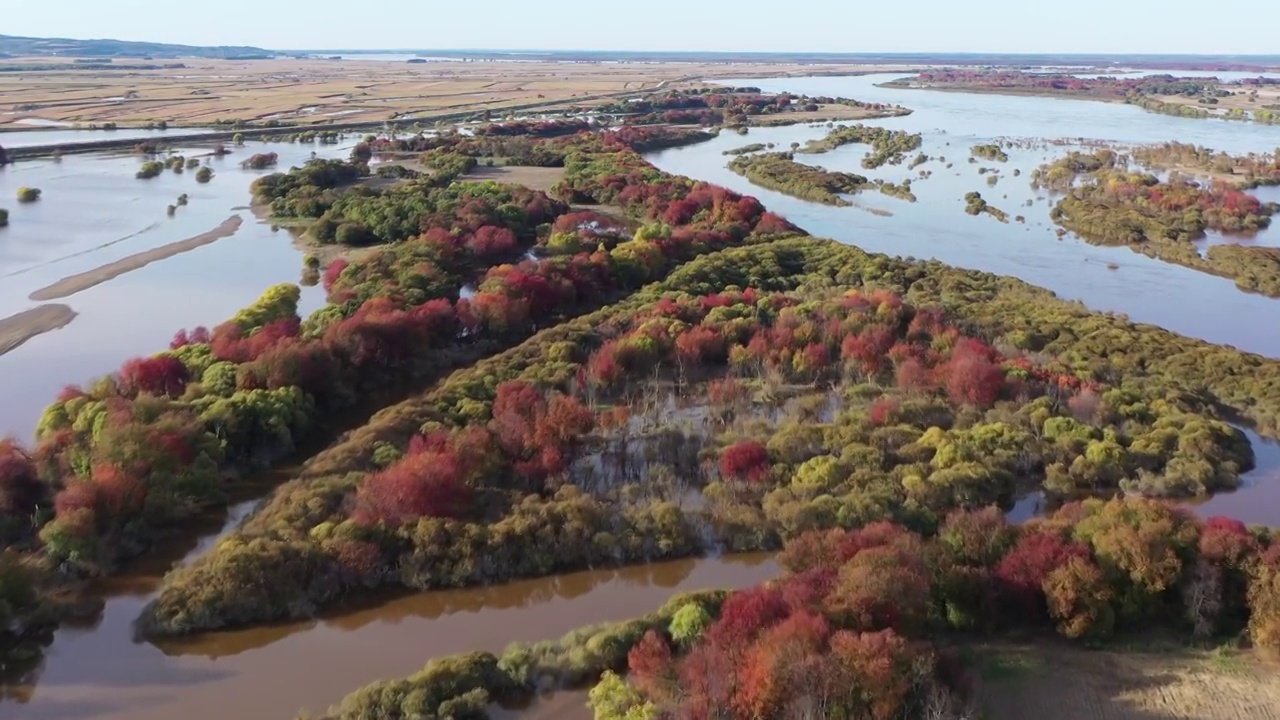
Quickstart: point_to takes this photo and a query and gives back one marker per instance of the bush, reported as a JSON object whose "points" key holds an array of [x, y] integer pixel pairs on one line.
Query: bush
{"points": [[204, 174], [150, 169], [28, 194]]}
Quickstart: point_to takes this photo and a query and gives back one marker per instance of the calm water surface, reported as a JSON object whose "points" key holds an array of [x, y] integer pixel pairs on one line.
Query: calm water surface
{"points": [[101, 672], [92, 212], [28, 138]]}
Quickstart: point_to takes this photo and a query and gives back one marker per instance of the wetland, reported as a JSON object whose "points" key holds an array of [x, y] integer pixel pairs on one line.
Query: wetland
{"points": [[131, 276]]}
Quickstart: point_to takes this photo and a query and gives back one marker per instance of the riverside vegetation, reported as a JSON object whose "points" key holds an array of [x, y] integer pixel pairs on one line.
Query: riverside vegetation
{"points": [[887, 146], [781, 172], [735, 107], [863, 623], [1108, 203], [1249, 99], [677, 341]]}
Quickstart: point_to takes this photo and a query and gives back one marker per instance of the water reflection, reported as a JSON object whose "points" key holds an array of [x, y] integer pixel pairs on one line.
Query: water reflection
{"points": [[1257, 501], [272, 672]]}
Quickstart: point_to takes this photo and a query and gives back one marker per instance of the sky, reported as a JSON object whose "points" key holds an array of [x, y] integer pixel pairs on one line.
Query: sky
{"points": [[990, 26]]}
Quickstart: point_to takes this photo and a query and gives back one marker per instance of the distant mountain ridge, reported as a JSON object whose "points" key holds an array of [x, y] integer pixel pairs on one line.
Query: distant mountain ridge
{"points": [[15, 46]]}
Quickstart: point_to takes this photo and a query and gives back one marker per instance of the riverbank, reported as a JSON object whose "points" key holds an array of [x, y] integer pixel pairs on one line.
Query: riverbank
{"points": [[73, 284], [17, 329]]}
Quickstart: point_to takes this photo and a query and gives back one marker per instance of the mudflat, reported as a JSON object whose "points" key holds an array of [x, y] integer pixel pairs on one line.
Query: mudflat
{"points": [[73, 284], [19, 328]]}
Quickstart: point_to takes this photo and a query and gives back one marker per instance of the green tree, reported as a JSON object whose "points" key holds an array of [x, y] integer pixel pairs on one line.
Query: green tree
{"points": [[613, 699], [688, 624]]}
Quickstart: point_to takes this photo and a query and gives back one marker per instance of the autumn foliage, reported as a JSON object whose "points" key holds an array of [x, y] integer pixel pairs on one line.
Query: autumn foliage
{"points": [[427, 484], [850, 632]]}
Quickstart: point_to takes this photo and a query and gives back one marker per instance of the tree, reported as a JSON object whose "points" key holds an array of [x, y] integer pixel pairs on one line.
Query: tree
{"points": [[870, 674], [912, 376], [652, 668], [1022, 572], [977, 537], [4, 157], [160, 375], [422, 485], [689, 623], [745, 460], [972, 379], [1080, 599], [883, 587], [613, 699], [1264, 603], [21, 492]]}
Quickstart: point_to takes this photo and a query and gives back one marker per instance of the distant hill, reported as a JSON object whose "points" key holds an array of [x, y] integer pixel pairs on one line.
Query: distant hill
{"points": [[14, 46]]}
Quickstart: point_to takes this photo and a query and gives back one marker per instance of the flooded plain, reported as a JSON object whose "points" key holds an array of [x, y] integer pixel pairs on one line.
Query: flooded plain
{"points": [[1147, 290], [94, 212]]}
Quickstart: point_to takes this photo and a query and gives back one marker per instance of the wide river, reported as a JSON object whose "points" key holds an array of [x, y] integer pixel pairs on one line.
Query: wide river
{"points": [[94, 211]]}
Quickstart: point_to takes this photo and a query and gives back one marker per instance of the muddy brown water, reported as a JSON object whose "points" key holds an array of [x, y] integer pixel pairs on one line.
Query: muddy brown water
{"points": [[274, 672]]}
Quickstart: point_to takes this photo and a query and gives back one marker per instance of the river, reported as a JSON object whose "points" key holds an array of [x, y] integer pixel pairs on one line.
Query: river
{"points": [[99, 671]]}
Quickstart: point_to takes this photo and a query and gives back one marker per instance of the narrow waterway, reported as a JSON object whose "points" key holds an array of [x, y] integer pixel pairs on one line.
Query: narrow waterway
{"points": [[273, 672]]}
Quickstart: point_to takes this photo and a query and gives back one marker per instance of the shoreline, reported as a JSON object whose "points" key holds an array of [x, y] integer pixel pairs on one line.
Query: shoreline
{"points": [[73, 284], [21, 327]]}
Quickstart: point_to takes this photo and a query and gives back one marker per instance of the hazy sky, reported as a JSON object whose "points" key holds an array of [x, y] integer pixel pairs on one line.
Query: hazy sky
{"points": [[1136, 26]]}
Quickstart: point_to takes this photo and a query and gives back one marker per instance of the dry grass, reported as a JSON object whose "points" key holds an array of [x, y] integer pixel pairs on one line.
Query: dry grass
{"points": [[534, 178], [1050, 681], [308, 91]]}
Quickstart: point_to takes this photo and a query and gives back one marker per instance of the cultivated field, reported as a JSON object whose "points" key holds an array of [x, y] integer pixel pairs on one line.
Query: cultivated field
{"points": [[1059, 682], [312, 91]]}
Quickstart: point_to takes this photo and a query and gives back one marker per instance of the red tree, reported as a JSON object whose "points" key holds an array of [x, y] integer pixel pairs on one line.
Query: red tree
{"points": [[162, 375], [1024, 569], [745, 460], [651, 669], [972, 378], [422, 485]]}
